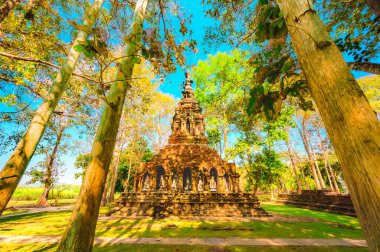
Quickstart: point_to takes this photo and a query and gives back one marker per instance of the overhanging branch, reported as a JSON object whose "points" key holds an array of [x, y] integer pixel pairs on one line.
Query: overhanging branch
{"points": [[43, 62], [365, 67]]}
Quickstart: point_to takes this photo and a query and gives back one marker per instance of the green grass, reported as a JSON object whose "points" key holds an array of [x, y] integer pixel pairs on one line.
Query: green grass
{"points": [[55, 222], [177, 248], [32, 203], [301, 212], [12, 212], [324, 225], [28, 193]]}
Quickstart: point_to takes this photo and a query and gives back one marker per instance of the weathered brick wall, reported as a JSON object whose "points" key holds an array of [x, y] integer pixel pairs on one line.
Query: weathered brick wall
{"points": [[174, 158], [320, 200], [189, 204]]}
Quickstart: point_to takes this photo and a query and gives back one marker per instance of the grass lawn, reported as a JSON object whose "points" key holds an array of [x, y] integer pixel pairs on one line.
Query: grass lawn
{"points": [[302, 212], [14, 203], [288, 222], [177, 248], [27, 193], [308, 224]]}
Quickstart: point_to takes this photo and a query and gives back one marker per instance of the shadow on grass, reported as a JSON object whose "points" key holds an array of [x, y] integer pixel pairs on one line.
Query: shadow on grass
{"points": [[31, 215], [192, 248]]}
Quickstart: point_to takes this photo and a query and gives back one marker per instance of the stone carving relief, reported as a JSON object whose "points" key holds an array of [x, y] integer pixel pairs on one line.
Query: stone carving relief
{"points": [[200, 182], [161, 186], [226, 182], [175, 182], [146, 183]]}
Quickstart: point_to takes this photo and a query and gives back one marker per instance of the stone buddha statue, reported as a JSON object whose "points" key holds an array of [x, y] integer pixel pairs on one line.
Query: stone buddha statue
{"points": [[188, 185], [162, 183], [175, 182], [200, 183], [146, 185], [213, 184]]}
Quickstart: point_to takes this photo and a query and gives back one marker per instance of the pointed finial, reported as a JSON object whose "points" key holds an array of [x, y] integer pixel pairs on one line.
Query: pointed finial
{"points": [[187, 89], [188, 80]]}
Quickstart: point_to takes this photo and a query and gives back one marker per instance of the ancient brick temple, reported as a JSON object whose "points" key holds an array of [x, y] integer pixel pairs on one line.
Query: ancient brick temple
{"points": [[187, 177]]}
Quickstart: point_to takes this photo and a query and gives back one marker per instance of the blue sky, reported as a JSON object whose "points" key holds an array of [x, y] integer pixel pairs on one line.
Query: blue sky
{"points": [[172, 83]]}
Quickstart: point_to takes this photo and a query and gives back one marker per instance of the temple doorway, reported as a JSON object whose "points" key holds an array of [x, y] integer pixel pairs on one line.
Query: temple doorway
{"points": [[187, 180], [213, 180], [160, 179]]}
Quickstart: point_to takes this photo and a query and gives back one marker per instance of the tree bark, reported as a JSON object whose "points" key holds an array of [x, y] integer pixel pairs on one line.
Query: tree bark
{"points": [[328, 175], [49, 170], [114, 174], [284, 189], [7, 7], [304, 179], [374, 6], [292, 164], [104, 200], [271, 192], [314, 157], [365, 67], [15, 167], [351, 124], [329, 170], [225, 140], [255, 188], [126, 189], [311, 163], [333, 177], [79, 234]]}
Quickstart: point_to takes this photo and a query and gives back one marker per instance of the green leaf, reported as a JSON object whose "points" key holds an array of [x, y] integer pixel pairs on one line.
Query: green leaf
{"points": [[251, 105], [259, 90], [280, 24], [287, 65], [145, 52], [276, 22], [80, 47], [260, 34], [262, 2], [88, 54]]}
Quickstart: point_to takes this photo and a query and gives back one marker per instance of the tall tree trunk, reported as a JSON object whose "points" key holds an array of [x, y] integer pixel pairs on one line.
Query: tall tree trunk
{"points": [[15, 167], [126, 187], [329, 172], [104, 200], [308, 140], [328, 176], [49, 170], [292, 164], [7, 7], [114, 171], [304, 179], [271, 192], [311, 163], [114, 176], [333, 177], [255, 188], [225, 140], [284, 189], [351, 124], [79, 234], [374, 6]]}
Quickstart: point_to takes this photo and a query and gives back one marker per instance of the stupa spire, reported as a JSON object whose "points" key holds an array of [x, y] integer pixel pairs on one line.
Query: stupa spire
{"points": [[188, 91], [188, 125]]}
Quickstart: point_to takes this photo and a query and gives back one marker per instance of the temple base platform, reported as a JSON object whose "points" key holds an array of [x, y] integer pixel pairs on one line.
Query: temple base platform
{"points": [[207, 204]]}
